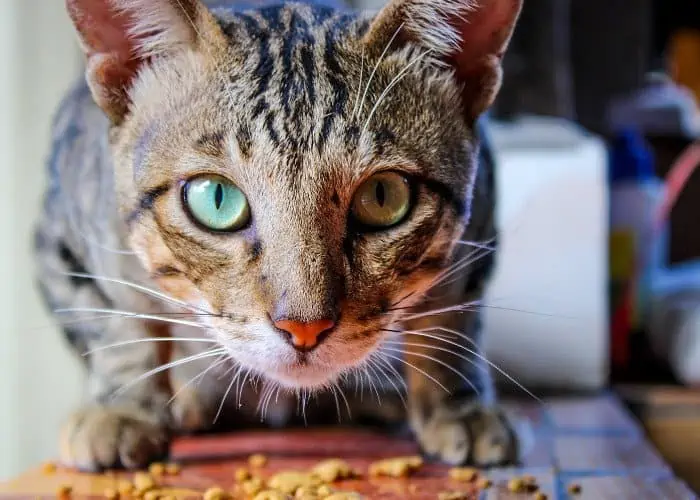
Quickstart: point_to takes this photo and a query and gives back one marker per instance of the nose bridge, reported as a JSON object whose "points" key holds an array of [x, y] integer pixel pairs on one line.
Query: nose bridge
{"points": [[308, 281]]}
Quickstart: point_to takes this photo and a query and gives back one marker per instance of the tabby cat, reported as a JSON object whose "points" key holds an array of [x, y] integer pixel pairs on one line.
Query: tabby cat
{"points": [[269, 210]]}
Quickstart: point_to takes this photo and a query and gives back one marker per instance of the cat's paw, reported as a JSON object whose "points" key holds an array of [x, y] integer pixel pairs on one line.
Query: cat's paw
{"points": [[474, 434], [101, 437]]}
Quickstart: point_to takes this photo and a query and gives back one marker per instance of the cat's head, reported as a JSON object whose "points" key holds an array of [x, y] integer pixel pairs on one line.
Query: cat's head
{"points": [[295, 170]]}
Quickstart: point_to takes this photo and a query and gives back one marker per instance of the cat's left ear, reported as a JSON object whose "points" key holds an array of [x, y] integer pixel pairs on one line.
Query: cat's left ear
{"points": [[469, 35]]}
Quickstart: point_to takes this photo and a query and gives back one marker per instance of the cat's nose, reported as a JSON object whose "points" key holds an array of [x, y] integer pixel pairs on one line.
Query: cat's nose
{"points": [[305, 336]]}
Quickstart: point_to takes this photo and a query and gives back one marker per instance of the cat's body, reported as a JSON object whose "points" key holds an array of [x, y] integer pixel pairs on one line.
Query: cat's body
{"points": [[285, 101]]}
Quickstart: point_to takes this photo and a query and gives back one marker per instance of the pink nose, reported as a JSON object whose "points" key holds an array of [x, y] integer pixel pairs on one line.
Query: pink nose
{"points": [[305, 335]]}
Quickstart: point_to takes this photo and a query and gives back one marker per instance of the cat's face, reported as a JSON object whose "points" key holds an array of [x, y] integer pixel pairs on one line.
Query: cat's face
{"points": [[292, 177]]}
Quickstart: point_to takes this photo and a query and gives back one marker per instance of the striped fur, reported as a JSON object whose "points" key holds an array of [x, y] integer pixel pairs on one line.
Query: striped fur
{"points": [[297, 104]]}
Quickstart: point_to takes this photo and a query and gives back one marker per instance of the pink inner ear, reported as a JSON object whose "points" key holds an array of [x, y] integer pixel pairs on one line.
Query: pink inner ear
{"points": [[485, 31], [103, 29]]}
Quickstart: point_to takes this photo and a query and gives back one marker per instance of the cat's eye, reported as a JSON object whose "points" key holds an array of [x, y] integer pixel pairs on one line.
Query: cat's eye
{"points": [[216, 203], [382, 201]]}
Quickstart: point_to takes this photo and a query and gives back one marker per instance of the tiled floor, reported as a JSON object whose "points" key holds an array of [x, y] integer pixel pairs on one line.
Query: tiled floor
{"points": [[592, 442]]}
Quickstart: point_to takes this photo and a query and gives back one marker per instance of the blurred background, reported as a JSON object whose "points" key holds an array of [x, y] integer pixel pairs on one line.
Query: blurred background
{"points": [[599, 105]]}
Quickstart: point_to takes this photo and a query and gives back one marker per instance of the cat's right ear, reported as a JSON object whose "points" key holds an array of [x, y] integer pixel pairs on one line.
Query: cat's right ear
{"points": [[120, 36]]}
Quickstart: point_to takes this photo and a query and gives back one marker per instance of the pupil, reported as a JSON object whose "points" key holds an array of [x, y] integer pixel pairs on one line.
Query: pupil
{"points": [[380, 194], [218, 196]]}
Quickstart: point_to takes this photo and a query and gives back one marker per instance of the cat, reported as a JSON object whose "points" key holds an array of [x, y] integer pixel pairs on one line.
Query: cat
{"points": [[251, 210]]}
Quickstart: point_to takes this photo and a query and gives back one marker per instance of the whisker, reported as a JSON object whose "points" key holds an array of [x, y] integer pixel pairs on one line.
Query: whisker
{"points": [[130, 315], [390, 380], [372, 385], [197, 377], [223, 400], [438, 361], [141, 288], [411, 365], [376, 66], [359, 85], [475, 353], [167, 366], [149, 339], [392, 84], [345, 400]]}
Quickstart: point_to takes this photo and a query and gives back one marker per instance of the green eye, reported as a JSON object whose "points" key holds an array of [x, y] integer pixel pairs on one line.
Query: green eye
{"points": [[382, 201], [216, 203]]}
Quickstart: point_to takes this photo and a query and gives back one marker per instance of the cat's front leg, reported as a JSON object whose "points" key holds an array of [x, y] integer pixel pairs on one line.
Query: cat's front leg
{"points": [[125, 423], [451, 404]]}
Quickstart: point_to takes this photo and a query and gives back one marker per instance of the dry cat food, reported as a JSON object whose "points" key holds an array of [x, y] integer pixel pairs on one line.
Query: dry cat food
{"points": [[156, 469], [333, 469], [465, 474], [242, 474], [172, 469], [48, 468], [270, 495], [64, 491], [575, 489], [454, 495], [540, 496], [252, 486], [289, 482], [111, 494], [484, 483], [257, 460], [396, 467], [125, 488], [215, 494], [343, 495]]}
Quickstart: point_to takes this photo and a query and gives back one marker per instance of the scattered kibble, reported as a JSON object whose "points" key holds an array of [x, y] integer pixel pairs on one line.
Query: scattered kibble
{"points": [[143, 482], [575, 489], [48, 468], [64, 491], [324, 491], [156, 469], [270, 495], [332, 470], [484, 483], [395, 467], [453, 495], [111, 494], [253, 486], [516, 485], [257, 460], [540, 496], [466, 474], [125, 488], [344, 495], [172, 469], [215, 493], [150, 495], [242, 475], [290, 481]]}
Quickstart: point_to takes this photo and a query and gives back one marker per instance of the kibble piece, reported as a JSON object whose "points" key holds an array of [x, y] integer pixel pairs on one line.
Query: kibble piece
{"points": [[575, 489], [344, 495], [540, 496], [48, 468], [395, 467], [168, 497], [172, 469], [242, 475], [453, 495], [484, 483], [125, 487], [270, 495], [333, 470], [143, 482], [156, 469], [215, 493], [289, 482], [111, 494], [253, 486], [324, 491], [150, 495], [466, 474], [257, 460], [64, 491], [516, 485]]}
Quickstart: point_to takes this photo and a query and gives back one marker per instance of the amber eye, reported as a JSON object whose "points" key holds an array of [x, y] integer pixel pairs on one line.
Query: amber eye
{"points": [[382, 201]]}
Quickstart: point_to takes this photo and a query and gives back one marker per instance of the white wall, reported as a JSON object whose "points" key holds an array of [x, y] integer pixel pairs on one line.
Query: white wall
{"points": [[39, 380]]}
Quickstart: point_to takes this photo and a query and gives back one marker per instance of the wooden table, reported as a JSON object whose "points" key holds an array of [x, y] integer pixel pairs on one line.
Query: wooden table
{"points": [[591, 441]]}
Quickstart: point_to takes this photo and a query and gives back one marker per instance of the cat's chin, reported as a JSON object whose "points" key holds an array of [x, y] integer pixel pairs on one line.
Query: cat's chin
{"points": [[304, 378]]}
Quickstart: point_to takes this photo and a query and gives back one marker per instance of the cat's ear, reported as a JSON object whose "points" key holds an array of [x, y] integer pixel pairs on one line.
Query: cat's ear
{"points": [[119, 36], [470, 35]]}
